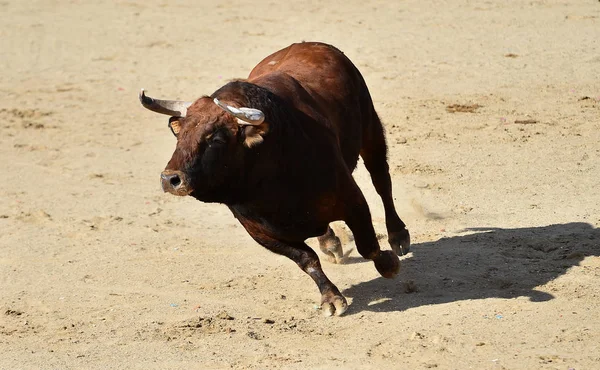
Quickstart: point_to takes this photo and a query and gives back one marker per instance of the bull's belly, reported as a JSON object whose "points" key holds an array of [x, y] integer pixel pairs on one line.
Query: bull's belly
{"points": [[290, 226]]}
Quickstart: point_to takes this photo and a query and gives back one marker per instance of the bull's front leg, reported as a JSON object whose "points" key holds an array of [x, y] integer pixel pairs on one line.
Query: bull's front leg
{"points": [[332, 301], [331, 246]]}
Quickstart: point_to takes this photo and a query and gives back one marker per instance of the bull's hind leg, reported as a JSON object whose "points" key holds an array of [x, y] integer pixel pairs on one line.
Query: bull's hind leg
{"points": [[374, 154], [331, 246], [358, 218]]}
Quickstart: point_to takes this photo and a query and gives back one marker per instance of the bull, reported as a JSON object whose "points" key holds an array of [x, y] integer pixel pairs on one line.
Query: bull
{"points": [[279, 149]]}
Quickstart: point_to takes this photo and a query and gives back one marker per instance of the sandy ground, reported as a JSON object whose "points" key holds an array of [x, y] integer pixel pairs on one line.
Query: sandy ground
{"points": [[492, 110]]}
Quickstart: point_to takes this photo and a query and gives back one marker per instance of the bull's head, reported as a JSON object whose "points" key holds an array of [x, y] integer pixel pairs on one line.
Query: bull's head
{"points": [[212, 137]]}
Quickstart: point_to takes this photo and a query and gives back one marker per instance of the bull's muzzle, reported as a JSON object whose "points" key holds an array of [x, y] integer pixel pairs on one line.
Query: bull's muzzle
{"points": [[175, 182]]}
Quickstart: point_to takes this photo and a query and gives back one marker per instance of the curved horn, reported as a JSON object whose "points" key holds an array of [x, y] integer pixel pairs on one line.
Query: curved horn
{"points": [[175, 108], [245, 116]]}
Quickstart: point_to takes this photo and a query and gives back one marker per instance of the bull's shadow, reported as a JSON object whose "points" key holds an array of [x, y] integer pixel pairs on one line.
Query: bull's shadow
{"points": [[503, 263]]}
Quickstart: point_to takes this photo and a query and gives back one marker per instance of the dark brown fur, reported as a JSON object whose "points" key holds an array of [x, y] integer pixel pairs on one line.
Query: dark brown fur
{"points": [[297, 178]]}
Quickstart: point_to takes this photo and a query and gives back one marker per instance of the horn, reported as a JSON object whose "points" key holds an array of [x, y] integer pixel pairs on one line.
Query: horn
{"points": [[175, 108], [245, 116]]}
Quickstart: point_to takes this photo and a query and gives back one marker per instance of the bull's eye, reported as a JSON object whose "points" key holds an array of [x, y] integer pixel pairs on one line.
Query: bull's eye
{"points": [[217, 138]]}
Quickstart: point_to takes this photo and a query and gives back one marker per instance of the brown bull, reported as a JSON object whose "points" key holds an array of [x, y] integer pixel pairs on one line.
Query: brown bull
{"points": [[279, 149]]}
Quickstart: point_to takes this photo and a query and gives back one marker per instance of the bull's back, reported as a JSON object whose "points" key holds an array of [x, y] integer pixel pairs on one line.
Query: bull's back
{"points": [[330, 84]]}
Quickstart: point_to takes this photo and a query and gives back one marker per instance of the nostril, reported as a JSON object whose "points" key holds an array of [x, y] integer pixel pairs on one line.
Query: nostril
{"points": [[171, 181], [175, 181]]}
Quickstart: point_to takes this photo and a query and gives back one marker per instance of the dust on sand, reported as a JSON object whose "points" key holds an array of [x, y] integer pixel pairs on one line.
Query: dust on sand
{"points": [[100, 269]]}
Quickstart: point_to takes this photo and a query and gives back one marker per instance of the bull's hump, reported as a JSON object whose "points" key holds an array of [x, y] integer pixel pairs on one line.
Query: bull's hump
{"points": [[299, 58]]}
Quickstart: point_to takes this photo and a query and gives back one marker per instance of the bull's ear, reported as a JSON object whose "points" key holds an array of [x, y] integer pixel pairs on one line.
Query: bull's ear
{"points": [[174, 125], [253, 135]]}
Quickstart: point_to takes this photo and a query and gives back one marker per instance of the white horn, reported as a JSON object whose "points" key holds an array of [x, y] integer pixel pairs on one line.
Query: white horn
{"points": [[245, 116], [175, 108]]}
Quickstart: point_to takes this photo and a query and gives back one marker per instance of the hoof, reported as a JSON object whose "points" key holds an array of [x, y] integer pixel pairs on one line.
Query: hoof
{"points": [[335, 259], [387, 264], [332, 304], [400, 242], [332, 248]]}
